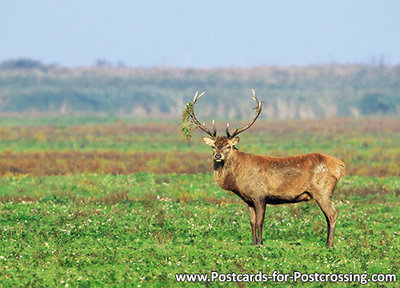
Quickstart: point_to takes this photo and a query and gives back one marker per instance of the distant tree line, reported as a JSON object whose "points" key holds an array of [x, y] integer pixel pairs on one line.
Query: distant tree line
{"points": [[31, 87]]}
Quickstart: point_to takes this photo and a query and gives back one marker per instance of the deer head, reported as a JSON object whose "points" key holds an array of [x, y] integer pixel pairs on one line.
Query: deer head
{"points": [[222, 145]]}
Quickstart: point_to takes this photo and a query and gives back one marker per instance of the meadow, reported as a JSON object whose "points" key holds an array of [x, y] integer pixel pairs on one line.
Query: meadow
{"points": [[114, 202]]}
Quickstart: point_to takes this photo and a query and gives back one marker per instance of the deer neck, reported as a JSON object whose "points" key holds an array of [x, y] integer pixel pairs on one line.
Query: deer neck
{"points": [[224, 171]]}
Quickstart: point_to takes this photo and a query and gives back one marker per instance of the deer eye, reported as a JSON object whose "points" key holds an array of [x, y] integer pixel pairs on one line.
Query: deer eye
{"points": [[228, 147], [213, 146]]}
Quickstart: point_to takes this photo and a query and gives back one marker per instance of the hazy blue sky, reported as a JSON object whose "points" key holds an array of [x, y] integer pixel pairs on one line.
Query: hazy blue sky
{"points": [[201, 33]]}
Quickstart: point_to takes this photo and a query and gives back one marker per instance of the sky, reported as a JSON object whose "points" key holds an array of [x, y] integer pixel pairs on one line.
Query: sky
{"points": [[202, 33]]}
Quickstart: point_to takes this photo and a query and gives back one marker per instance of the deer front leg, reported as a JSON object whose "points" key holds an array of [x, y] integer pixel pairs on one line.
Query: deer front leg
{"points": [[260, 212], [253, 224]]}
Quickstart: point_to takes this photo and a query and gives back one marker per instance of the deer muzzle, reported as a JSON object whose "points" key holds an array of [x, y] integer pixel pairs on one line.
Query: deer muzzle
{"points": [[218, 157]]}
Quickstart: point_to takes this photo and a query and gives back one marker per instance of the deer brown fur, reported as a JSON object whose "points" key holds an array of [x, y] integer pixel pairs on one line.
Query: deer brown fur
{"points": [[260, 180]]}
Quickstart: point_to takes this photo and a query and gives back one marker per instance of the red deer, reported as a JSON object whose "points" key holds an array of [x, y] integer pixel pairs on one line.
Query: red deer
{"points": [[260, 180]]}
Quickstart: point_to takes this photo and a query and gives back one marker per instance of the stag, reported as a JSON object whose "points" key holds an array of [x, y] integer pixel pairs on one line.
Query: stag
{"points": [[260, 180]]}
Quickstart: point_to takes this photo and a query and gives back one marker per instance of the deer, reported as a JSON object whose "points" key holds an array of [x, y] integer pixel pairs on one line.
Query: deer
{"points": [[260, 180]]}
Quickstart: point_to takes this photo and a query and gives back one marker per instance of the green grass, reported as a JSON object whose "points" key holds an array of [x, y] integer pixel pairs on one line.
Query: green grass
{"points": [[141, 229]]}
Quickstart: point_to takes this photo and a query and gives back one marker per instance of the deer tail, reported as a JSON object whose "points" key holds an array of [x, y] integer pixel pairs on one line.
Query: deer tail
{"points": [[339, 168]]}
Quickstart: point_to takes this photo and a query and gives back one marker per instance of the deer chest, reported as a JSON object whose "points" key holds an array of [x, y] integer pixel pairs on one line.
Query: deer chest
{"points": [[226, 180]]}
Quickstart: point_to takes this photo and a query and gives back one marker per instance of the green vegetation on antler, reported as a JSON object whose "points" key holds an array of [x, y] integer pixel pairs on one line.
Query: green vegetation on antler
{"points": [[187, 117], [187, 123]]}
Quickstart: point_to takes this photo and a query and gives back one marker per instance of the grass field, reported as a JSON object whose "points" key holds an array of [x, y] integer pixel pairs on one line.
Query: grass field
{"points": [[77, 211]]}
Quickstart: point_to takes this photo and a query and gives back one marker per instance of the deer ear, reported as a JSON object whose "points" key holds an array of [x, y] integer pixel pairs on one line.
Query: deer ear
{"points": [[208, 141], [234, 141]]}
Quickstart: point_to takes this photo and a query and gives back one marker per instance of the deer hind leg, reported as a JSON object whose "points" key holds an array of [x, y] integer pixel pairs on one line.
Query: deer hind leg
{"points": [[260, 212], [330, 213], [253, 224]]}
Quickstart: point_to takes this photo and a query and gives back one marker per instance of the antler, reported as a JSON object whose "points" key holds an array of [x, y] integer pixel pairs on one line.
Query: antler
{"points": [[197, 122], [240, 130]]}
